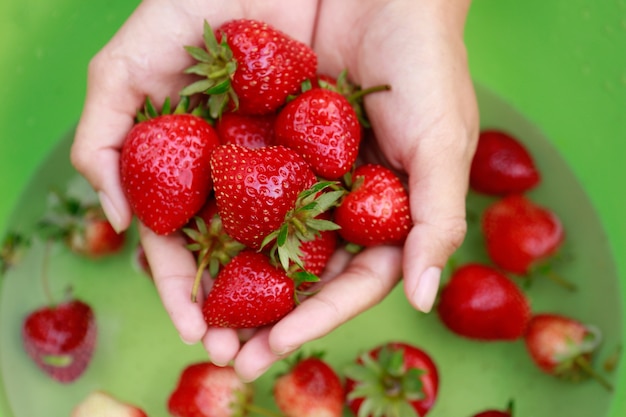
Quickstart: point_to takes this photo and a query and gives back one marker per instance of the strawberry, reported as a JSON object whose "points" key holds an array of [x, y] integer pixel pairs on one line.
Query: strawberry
{"points": [[310, 388], [351, 91], [251, 64], [207, 390], [396, 379], [61, 339], [96, 237], [323, 127], [316, 252], [563, 347], [164, 167], [479, 302], [520, 234], [256, 188], [376, 209], [502, 165], [103, 404], [246, 130], [81, 226], [249, 292], [213, 247]]}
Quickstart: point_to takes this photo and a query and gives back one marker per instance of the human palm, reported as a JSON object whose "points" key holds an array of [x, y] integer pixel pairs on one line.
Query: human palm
{"points": [[425, 127]]}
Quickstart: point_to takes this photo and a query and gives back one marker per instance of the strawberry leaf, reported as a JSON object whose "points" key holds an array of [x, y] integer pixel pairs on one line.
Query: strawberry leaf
{"points": [[199, 54], [197, 87]]}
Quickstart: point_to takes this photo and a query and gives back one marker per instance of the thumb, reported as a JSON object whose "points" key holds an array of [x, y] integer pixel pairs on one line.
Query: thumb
{"points": [[438, 183], [99, 135]]}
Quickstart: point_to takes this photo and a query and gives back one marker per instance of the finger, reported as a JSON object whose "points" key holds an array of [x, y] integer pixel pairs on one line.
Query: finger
{"points": [[173, 269], [368, 278], [108, 114], [437, 188], [222, 345], [255, 356]]}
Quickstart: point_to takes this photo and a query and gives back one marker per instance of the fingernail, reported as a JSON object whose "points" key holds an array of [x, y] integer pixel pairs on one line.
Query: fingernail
{"points": [[284, 351], [426, 291], [186, 341], [110, 211]]}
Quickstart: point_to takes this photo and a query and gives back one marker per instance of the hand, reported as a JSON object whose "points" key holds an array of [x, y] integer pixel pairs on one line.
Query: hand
{"points": [[426, 126]]}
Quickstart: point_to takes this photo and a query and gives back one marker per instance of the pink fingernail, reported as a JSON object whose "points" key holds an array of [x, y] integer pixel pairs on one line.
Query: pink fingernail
{"points": [[111, 212], [186, 341], [427, 288]]}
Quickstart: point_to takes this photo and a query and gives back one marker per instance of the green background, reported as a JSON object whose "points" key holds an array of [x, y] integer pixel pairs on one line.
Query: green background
{"points": [[561, 64]]}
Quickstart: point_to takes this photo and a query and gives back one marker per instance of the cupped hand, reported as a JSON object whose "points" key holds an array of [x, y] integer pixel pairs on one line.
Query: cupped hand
{"points": [[426, 126]]}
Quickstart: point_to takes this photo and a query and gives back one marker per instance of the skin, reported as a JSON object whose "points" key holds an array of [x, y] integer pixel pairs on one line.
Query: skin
{"points": [[427, 128]]}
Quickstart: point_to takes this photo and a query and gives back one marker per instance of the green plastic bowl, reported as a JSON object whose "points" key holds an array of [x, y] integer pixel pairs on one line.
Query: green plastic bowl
{"points": [[552, 72]]}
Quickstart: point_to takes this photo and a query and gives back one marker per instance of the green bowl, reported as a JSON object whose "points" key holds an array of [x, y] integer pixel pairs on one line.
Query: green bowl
{"points": [[554, 73]]}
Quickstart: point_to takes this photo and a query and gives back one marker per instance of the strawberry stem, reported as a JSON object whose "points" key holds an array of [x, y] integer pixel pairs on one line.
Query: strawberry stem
{"points": [[586, 367], [45, 281], [560, 280], [360, 93], [204, 262]]}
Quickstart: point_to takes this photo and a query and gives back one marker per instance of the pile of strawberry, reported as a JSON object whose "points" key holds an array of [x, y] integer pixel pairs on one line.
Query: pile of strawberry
{"points": [[482, 301], [263, 175], [264, 179], [393, 379]]}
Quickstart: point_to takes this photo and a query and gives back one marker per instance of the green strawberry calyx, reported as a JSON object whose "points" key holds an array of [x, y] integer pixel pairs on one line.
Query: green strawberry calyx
{"points": [[574, 363], [215, 64], [149, 111], [303, 224], [354, 94], [385, 384], [214, 248]]}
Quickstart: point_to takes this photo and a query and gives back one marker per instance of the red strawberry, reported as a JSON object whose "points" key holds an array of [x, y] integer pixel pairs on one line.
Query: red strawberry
{"points": [[502, 165], [252, 63], [95, 237], [82, 226], [310, 388], [479, 302], [164, 168], [103, 404], [563, 346], [249, 292], [352, 92], [256, 188], [376, 210], [61, 339], [323, 127], [520, 234], [317, 251], [393, 380], [245, 130], [207, 390]]}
